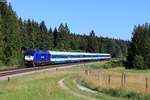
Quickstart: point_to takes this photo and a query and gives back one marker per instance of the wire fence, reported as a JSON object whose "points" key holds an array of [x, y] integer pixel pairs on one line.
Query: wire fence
{"points": [[129, 81]]}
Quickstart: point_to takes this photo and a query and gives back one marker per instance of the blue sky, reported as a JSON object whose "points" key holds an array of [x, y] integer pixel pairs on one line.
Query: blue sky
{"points": [[108, 18]]}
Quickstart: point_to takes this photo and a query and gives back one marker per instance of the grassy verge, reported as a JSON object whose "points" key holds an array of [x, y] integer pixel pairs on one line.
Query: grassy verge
{"points": [[107, 78], [122, 69], [69, 82], [5, 67], [39, 86], [44, 86], [115, 92]]}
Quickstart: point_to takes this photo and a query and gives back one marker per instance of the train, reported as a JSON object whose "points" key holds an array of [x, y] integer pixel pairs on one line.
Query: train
{"points": [[40, 57]]}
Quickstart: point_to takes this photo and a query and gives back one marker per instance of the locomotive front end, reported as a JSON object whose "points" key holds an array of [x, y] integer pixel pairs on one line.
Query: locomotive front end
{"points": [[29, 58]]}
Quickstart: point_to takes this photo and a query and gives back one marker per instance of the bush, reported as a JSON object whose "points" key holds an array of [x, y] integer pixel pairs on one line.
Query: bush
{"points": [[107, 66], [117, 63], [1, 63], [95, 66], [138, 62]]}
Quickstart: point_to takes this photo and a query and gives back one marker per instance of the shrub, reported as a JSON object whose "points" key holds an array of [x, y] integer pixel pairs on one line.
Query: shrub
{"points": [[116, 63], [107, 66], [138, 62]]}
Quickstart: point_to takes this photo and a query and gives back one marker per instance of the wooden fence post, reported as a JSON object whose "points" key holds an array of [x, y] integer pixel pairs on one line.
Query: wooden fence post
{"points": [[88, 71], [122, 80], [109, 79], [146, 84], [99, 76], [85, 71], [8, 79]]}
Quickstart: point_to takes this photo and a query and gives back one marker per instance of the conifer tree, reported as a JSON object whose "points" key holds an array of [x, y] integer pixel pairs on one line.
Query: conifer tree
{"points": [[17, 36], [55, 34], [140, 47], [92, 43], [50, 39], [1, 42], [11, 36], [43, 37], [63, 41]]}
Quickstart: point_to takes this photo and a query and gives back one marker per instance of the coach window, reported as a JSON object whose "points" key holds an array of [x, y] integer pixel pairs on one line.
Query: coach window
{"points": [[53, 56]]}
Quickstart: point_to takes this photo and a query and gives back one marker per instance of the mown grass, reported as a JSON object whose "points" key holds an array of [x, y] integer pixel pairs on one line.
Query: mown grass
{"points": [[36, 87]]}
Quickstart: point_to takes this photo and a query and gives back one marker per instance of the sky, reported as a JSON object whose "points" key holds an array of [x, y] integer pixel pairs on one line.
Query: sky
{"points": [[108, 18]]}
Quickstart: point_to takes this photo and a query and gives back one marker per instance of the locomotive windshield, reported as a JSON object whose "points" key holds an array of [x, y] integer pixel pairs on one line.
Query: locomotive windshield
{"points": [[29, 54]]}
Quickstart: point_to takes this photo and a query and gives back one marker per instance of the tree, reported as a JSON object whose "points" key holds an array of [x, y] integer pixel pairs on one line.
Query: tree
{"points": [[140, 45], [43, 37], [50, 39], [17, 36], [92, 43], [55, 34], [11, 36], [1, 42], [138, 62], [62, 37]]}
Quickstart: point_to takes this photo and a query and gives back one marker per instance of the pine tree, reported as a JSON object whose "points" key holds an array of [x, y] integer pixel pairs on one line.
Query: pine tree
{"points": [[17, 36], [11, 36], [1, 42], [55, 34], [140, 47], [92, 43], [50, 39], [62, 37], [43, 39]]}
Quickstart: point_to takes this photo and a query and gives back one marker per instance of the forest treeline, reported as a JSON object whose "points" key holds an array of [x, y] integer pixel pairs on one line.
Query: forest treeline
{"points": [[139, 49], [17, 36]]}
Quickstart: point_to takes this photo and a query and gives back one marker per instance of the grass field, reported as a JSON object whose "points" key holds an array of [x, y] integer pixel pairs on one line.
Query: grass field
{"points": [[112, 78], [118, 81], [44, 86], [99, 96], [41, 86]]}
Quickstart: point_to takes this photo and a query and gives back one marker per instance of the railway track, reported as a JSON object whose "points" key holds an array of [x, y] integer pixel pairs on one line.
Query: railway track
{"points": [[13, 71]]}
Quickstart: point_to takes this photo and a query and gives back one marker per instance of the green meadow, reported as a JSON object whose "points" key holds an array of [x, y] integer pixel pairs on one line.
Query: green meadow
{"points": [[44, 86]]}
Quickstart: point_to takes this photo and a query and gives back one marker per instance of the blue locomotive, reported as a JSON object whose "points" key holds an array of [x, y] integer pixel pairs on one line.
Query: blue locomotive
{"points": [[35, 57]]}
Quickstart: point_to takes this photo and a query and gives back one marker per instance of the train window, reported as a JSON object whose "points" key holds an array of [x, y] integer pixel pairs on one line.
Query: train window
{"points": [[104, 55], [77, 56], [54, 56], [59, 56]]}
